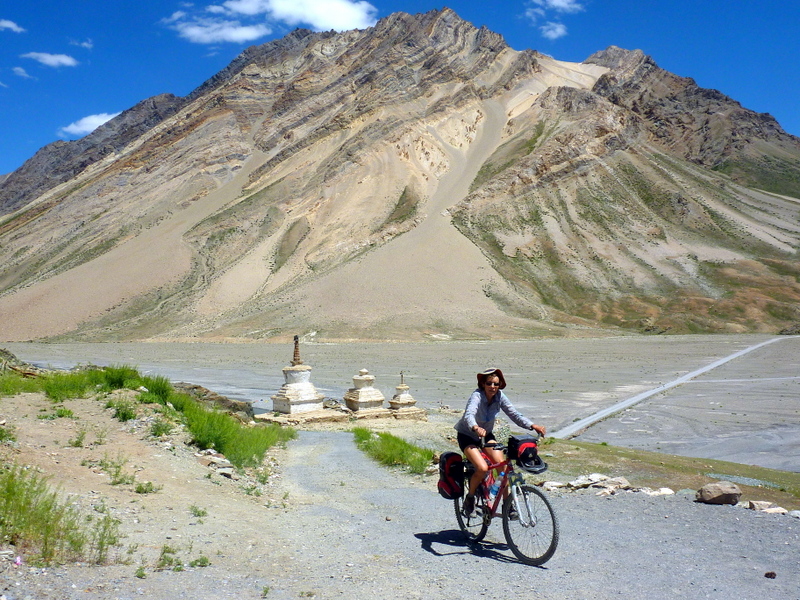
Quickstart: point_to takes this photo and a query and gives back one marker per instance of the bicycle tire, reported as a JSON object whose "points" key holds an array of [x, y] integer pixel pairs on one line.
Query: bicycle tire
{"points": [[533, 535], [475, 526]]}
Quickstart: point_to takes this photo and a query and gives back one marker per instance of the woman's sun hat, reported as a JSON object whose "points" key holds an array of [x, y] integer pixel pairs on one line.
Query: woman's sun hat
{"points": [[482, 377]]}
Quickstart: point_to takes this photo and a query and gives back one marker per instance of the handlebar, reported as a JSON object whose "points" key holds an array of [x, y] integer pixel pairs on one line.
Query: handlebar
{"points": [[498, 446], [492, 444]]}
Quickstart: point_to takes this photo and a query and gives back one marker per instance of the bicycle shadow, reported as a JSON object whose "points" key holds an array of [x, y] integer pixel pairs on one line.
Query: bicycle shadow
{"points": [[455, 539]]}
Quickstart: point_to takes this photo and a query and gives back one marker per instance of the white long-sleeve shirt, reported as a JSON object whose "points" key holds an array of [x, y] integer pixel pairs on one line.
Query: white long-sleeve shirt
{"points": [[481, 412]]}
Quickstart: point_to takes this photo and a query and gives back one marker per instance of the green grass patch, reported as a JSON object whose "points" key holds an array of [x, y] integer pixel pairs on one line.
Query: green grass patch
{"points": [[160, 428], [115, 469], [391, 450], [12, 383], [654, 469], [36, 522], [244, 446], [7, 434], [124, 410], [146, 487]]}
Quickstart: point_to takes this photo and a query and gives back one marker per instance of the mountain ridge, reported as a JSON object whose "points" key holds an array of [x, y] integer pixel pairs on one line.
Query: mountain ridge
{"points": [[553, 199]]}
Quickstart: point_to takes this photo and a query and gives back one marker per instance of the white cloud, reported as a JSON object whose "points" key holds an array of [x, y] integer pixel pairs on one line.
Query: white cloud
{"points": [[549, 10], [88, 44], [553, 31], [6, 24], [52, 60], [212, 31], [242, 21], [322, 15], [562, 6], [534, 14], [20, 72], [247, 7], [3, 84], [85, 125]]}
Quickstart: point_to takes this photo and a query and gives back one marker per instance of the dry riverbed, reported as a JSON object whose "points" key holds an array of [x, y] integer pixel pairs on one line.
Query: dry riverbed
{"points": [[330, 523]]}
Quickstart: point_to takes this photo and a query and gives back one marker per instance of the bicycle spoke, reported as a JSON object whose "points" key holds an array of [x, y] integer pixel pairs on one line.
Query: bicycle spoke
{"points": [[475, 525], [533, 533]]}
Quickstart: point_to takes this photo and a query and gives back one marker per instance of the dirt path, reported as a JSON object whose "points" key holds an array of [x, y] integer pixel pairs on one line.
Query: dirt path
{"points": [[333, 524]]}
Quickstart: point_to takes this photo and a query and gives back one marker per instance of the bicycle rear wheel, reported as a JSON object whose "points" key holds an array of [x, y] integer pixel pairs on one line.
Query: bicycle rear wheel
{"points": [[474, 526], [533, 533]]}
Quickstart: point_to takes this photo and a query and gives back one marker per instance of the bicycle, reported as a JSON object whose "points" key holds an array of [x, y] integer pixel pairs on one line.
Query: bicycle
{"points": [[530, 525]]}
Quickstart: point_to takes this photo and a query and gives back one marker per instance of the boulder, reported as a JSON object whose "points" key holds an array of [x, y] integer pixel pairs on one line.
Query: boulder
{"points": [[719, 492]]}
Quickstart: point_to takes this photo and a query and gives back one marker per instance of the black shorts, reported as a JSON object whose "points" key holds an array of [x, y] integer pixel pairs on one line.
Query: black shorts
{"points": [[465, 441]]}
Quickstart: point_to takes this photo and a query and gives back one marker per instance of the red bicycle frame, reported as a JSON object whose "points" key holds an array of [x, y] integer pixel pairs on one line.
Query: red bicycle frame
{"points": [[506, 467]]}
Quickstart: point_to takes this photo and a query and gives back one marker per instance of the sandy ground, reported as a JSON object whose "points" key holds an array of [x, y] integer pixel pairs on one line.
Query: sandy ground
{"points": [[747, 410], [330, 523]]}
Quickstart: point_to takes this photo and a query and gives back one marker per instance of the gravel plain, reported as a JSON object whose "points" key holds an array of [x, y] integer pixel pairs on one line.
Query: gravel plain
{"points": [[352, 529], [333, 524]]}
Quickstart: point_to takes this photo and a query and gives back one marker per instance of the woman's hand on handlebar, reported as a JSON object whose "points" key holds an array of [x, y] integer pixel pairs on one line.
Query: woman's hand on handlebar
{"points": [[479, 431], [540, 429]]}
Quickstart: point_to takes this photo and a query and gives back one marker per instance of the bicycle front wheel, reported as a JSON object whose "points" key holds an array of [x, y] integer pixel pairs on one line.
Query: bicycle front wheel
{"points": [[475, 525], [531, 529]]}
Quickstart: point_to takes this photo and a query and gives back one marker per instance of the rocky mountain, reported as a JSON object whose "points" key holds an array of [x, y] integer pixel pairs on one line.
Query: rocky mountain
{"points": [[416, 180]]}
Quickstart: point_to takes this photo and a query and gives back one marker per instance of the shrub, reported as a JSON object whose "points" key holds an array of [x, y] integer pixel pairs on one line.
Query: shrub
{"points": [[167, 558], [64, 413], [243, 446], [7, 434], [201, 561], [159, 387], [115, 469], [33, 519], [146, 487], [65, 386], [12, 384], [160, 427], [78, 440], [124, 411], [117, 377]]}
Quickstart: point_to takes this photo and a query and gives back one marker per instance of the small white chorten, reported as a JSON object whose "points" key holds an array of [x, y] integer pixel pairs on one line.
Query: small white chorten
{"points": [[297, 394], [363, 396], [402, 400]]}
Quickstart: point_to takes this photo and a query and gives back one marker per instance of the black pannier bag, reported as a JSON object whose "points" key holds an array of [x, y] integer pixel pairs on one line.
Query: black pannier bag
{"points": [[451, 475], [525, 450], [519, 443]]}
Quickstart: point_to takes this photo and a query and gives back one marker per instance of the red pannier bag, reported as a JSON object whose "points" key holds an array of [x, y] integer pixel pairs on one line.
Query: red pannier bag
{"points": [[451, 475]]}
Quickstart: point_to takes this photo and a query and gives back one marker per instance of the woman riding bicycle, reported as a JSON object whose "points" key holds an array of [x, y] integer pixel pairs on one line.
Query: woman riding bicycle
{"points": [[478, 421]]}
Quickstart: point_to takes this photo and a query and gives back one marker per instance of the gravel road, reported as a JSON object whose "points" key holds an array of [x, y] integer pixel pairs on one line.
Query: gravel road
{"points": [[353, 529]]}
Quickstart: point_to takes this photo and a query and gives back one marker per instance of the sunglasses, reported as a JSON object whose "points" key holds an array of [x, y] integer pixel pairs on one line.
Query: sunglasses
{"points": [[493, 383]]}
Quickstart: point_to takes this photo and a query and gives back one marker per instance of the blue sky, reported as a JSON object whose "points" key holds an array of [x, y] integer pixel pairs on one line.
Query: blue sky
{"points": [[67, 66]]}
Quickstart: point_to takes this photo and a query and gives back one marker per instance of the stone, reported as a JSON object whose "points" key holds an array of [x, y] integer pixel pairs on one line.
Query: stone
{"points": [[585, 481], [759, 505], [550, 486], [719, 492], [228, 472], [244, 410], [775, 510], [664, 491], [362, 396], [794, 513]]}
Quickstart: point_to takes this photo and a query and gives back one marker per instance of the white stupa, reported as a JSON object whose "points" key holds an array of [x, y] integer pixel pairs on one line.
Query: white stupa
{"points": [[298, 394]]}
